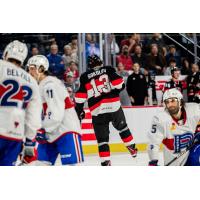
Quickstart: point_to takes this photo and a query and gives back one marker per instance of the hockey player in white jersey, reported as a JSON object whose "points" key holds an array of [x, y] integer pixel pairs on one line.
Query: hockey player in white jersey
{"points": [[20, 106], [175, 127], [60, 133]]}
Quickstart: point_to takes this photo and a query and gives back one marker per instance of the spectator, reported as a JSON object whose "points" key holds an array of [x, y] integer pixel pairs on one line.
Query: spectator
{"points": [[71, 93], [137, 86], [69, 56], [173, 54], [193, 83], [71, 83], [172, 64], [174, 82], [74, 44], [185, 67], [91, 47], [151, 84], [114, 48], [156, 39], [74, 69], [124, 98], [125, 58], [139, 57], [121, 71], [131, 42], [155, 61], [56, 65], [34, 51], [164, 51]]}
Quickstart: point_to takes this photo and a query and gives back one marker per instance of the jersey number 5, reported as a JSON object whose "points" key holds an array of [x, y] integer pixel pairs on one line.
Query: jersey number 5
{"points": [[101, 85]]}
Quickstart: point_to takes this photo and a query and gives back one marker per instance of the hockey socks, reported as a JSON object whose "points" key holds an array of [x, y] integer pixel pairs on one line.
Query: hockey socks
{"points": [[104, 153], [127, 138]]}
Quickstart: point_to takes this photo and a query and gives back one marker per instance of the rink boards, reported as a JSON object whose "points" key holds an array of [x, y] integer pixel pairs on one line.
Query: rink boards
{"points": [[139, 122]]}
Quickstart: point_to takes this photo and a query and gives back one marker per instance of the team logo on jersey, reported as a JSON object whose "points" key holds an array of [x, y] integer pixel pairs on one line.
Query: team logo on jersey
{"points": [[173, 127], [182, 141], [16, 124]]}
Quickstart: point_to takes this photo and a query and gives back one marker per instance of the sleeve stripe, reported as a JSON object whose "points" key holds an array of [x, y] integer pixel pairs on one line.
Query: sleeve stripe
{"points": [[81, 95], [80, 100], [117, 82]]}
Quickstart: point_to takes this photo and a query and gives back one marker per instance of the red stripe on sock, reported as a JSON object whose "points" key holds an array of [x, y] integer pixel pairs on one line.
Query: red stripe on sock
{"points": [[128, 139]]}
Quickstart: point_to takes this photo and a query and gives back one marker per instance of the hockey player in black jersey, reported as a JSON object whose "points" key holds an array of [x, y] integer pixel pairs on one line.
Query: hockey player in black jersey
{"points": [[174, 82], [193, 84], [100, 86]]}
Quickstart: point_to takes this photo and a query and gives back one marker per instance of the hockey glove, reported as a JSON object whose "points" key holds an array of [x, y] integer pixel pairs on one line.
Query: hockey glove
{"points": [[80, 111], [82, 115], [41, 136], [29, 152], [153, 163]]}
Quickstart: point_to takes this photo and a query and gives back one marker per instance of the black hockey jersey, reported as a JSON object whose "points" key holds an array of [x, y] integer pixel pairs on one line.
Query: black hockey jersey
{"points": [[193, 84], [173, 84], [101, 89]]}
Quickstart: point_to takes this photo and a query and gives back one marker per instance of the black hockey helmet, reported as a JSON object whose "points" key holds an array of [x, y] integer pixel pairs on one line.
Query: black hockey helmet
{"points": [[174, 69], [94, 61]]}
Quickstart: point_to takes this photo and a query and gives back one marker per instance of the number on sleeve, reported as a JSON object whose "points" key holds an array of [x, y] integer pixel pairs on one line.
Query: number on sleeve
{"points": [[153, 129]]}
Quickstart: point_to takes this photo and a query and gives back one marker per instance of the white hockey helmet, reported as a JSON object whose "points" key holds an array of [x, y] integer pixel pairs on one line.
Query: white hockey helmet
{"points": [[38, 61], [16, 50], [172, 93]]}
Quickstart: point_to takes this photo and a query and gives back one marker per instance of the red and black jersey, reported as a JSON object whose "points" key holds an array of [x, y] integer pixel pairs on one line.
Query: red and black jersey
{"points": [[193, 84], [100, 87], [173, 84]]}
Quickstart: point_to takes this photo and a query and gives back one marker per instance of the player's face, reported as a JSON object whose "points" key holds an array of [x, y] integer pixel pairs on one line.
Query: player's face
{"points": [[33, 71], [176, 74], [172, 105]]}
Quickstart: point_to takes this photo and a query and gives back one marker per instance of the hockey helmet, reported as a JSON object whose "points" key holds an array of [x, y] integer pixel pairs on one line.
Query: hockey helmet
{"points": [[38, 61], [172, 93], [94, 61], [174, 69], [16, 50]]}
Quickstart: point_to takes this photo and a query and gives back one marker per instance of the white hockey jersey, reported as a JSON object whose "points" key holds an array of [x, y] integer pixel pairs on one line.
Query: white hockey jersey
{"points": [[59, 115], [20, 103], [175, 136]]}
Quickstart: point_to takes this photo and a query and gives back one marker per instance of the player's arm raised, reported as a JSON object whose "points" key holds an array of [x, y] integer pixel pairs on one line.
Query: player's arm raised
{"points": [[155, 136]]}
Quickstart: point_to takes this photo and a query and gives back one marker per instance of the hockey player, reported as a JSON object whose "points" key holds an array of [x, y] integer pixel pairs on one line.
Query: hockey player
{"points": [[20, 106], [60, 133], [174, 82], [193, 84], [100, 86], [175, 127]]}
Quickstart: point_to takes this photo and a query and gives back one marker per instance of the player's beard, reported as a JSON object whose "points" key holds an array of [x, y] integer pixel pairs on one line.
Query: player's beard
{"points": [[173, 110]]}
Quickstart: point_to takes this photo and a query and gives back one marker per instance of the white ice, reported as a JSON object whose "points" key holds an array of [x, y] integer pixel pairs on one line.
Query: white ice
{"points": [[119, 159]]}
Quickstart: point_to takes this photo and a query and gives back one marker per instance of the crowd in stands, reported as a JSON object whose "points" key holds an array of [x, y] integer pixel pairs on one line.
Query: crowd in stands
{"points": [[139, 58]]}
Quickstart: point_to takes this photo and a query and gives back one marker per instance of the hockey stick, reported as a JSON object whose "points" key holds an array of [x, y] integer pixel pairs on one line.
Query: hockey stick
{"points": [[185, 151]]}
